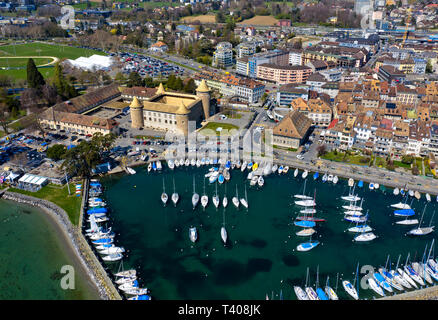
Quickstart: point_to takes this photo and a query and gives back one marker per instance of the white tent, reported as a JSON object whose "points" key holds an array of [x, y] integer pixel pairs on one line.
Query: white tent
{"points": [[95, 62], [32, 182]]}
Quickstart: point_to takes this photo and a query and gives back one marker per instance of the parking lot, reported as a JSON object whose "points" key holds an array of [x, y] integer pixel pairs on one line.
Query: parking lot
{"points": [[147, 66]]}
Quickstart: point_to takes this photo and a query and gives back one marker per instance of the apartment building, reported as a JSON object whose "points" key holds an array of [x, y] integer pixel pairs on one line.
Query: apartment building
{"points": [[283, 74]]}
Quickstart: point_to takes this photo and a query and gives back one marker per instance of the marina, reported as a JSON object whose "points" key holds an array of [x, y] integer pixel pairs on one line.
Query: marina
{"points": [[260, 252]]}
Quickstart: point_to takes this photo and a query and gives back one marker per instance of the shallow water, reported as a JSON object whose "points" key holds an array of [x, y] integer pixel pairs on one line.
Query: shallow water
{"points": [[32, 253], [260, 257]]}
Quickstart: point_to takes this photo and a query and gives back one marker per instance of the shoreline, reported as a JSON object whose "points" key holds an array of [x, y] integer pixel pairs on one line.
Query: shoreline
{"points": [[72, 235]]}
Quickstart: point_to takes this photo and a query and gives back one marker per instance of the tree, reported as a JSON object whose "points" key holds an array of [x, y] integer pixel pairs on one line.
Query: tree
{"points": [[134, 80], [190, 86], [322, 150], [429, 67], [34, 77], [87, 154], [63, 87], [56, 152]]}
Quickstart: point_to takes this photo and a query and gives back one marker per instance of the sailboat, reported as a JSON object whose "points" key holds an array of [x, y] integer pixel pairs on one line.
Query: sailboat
{"points": [[216, 200], [175, 195], [405, 274], [321, 293], [349, 288], [315, 175], [164, 196], [235, 199], [171, 164], [260, 181], [300, 293], [311, 218], [193, 234], [350, 182], [149, 167], [335, 179], [303, 196], [428, 197], [365, 236], [311, 294], [376, 288], [305, 173], [224, 234], [296, 172], [351, 196], [204, 198], [325, 177], [225, 200], [329, 290], [244, 201], [411, 272], [307, 246], [195, 197], [425, 230], [398, 277], [396, 191]]}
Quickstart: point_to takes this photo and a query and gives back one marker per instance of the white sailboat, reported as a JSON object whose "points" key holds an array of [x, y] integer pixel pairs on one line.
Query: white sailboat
{"points": [[309, 290], [350, 182], [149, 167], [296, 172], [243, 167], [193, 162], [335, 179], [349, 288], [175, 195], [225, 199], [300, 293], [164, 196], [204, 199], [305, 173], [171, 164], [396, 191], [422, 231], [195, 197], [235, 199], [260, 181], [303, 196], [306, 203], [224, 234], [216, 200], [187, 162], [244, 201]]}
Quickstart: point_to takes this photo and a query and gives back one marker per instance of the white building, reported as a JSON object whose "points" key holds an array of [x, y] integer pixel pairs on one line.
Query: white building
{"points": [[223, 56]]}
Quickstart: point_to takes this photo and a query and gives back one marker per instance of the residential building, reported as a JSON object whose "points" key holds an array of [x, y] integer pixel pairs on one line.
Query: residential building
{"points": [[289, 92], [246, 49], [223, 56], [317, 110], [283, 74]]}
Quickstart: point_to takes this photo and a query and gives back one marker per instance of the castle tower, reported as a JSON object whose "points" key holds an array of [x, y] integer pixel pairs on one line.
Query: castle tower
{"points": [[182, 118], [136, 109], [203, 92], [160, 89]]}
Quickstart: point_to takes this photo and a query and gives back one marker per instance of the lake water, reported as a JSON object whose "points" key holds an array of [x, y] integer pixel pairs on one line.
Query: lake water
{"points": [[260, 257], [32, 253]]}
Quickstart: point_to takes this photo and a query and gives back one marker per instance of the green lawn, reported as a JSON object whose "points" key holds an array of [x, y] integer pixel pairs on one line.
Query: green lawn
{"points": [[342, 157], [59, 195], [160, 4], [21, 62], [38, 49], [210, 128]]}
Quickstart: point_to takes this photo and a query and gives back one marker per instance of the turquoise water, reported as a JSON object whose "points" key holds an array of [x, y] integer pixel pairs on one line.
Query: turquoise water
{"points": [[31, 257], [260, 257]]}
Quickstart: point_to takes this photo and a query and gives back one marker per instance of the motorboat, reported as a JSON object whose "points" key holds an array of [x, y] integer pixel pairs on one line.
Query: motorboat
{"points": [[305, 173], [324, 177], [113, 257], [350, 182], [280, 169], [300, 293], [193, 162], [365, 236], [193, 234], [171, 164], [204, 201], [244, 202], [315, 175], [396, 191], [285, 169], [428, 198], [376, 186], [371, 186], [243, 167], [159, 165], [249, 165], [187, 162], [330, 178], [198, 163], [254, 180], [335, 179]]}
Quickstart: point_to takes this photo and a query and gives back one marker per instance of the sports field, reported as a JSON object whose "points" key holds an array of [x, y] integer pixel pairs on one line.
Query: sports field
{"points": [[260, 20], [206, 18], [42, 53]]}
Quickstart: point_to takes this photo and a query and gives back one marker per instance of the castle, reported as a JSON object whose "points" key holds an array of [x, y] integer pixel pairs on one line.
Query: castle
{"points": [[171, 111]]}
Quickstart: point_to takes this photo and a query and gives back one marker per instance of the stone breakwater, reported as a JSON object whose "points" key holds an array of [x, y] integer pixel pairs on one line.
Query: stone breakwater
{"points": [[77, 241]]}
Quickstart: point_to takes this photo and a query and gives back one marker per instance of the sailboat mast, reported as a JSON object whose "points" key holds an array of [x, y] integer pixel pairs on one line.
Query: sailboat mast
{"points": [[337, 279]]}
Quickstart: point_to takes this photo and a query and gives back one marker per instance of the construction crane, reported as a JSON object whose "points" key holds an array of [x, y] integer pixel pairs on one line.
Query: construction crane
{"points": [[408, 21]]}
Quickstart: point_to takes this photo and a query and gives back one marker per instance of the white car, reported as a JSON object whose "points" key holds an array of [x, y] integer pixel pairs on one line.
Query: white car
{"points": [[300, 157]]}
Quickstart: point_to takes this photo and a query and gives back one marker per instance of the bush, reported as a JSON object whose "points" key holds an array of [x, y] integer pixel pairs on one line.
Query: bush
{"points": [[407, 159], [364, 160], [56, 152], [415, 171]]}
